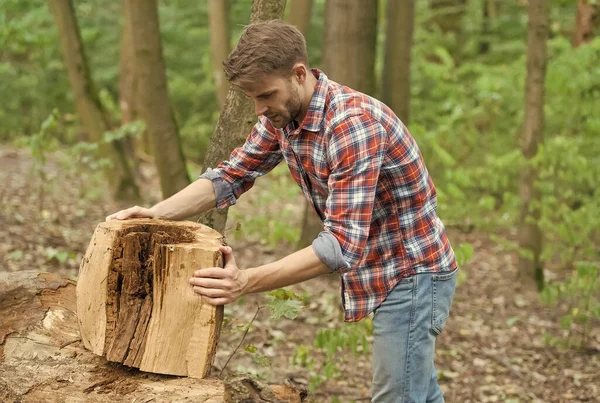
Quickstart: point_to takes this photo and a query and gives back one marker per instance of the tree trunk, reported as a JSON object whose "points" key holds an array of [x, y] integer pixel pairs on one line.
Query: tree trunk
{"points": [[588, 16], [396, 70], [154, 105], [128, 103], [530, 236], [237, 117], [87, 103], [42, 358], [349, 43], [300, 15], [219, 45], [136, 306]]}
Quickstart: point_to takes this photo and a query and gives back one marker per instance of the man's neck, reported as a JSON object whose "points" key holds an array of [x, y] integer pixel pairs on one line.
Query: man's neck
{"points": [[311, 83]]}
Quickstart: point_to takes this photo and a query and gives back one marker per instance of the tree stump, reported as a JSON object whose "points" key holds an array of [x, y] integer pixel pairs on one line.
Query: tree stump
{"points": [[134, 303]]}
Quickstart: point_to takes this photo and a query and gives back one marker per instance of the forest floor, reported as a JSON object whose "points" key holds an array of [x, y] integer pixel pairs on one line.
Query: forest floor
{"points": [[492, 349]]}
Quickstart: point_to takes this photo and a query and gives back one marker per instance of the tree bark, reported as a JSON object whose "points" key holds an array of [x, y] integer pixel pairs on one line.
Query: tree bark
{"points": [[128, 103], [134, 301], [530, 236], [154, 98], [300, 14], [349, 43], [396, 69], [87, 103], [588, 16], [219, 45], [237, 117]]}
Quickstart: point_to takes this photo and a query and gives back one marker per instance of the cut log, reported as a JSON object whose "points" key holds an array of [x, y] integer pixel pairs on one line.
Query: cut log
{"points": [[134, 303]]}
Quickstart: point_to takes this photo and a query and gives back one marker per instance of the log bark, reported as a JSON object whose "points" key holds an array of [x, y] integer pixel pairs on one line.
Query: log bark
{"points": [[236, 118], [134, 303], [42, 357]]}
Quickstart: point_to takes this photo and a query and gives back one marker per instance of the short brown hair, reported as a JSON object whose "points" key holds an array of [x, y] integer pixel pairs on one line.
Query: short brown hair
{"points": [[264, 48]]}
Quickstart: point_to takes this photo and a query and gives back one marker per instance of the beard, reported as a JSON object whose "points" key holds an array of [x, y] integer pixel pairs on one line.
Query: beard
{"points": [[292, 109]]}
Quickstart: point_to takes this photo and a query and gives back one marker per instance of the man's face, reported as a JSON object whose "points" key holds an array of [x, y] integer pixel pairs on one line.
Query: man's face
{"points": [[275, 97]]}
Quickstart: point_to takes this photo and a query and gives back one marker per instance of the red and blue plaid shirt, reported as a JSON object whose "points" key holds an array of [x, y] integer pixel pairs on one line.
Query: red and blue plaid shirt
{"points": [[364, 175]]}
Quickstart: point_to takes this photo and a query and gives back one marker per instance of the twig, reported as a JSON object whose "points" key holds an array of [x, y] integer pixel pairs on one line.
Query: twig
{"points": [[104, 382], [68, 343], [241, 341]]}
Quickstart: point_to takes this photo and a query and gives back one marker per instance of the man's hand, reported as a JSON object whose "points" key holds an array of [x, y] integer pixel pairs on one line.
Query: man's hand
{"points": [[132, 212], [220, 286]]}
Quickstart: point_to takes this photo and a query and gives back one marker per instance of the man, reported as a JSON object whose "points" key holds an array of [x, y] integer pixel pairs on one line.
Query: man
{"points": [[363, 173]]}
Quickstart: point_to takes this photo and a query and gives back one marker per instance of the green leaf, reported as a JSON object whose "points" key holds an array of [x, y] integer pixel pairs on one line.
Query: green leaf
{"points": [[287, 308]]}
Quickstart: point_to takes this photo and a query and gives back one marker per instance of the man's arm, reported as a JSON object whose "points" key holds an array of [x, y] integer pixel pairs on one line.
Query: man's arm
{"points": [[223, 286], [196, 198]]}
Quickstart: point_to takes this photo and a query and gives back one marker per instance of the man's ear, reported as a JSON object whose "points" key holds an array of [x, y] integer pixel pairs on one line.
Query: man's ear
{"points": [[299, 72]]}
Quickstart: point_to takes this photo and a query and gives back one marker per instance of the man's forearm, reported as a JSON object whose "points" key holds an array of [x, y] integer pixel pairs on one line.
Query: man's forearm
{"points": [[292, 269], [196, 198]]}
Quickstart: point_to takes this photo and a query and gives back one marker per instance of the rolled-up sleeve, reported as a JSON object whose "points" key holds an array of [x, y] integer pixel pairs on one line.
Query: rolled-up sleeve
{"points": [[356, 152], [259, 155]]}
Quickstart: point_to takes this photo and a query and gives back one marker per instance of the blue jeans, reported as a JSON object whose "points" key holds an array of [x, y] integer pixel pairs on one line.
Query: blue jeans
{"points": [[405, 328]]}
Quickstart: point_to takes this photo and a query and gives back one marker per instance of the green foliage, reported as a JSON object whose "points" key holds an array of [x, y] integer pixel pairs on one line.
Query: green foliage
{"points": [[274, 208], [284, 303], [578, 297], [337, 343]]}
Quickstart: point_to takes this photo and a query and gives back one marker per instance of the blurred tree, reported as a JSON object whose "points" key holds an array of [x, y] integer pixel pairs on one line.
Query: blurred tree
{"points": [[155, 110], [588, 16], [395, 89], [128, 104], [300, 14], [87, 103], [218, 17], [237, 118], [530, 236], [349, 43]]}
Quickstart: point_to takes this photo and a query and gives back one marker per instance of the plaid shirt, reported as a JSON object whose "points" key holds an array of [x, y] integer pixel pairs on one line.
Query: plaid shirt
{"points": [[364, 175]]}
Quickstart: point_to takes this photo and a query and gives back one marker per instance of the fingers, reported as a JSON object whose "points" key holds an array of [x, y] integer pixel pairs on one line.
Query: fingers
{"points": [[213, 296], [132, 212], [213, 272], [211, 283], [227, 254]]}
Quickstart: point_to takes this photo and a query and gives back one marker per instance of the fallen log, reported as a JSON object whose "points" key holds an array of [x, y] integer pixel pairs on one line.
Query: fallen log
{"points": [[42, 358]]}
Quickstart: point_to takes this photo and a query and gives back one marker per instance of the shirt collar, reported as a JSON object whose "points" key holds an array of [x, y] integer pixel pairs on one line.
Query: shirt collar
{"points": [[316, 109]]}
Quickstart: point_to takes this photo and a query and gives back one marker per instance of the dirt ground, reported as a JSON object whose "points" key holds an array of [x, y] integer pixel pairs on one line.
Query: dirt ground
{"points": [[492, 349]]}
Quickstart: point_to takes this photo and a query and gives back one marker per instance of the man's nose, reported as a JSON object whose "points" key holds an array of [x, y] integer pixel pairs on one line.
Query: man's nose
{"points": [[259, 108]]}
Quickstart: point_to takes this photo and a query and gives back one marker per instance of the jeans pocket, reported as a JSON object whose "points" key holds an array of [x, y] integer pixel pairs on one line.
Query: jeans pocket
{"points": [[443, 287]]}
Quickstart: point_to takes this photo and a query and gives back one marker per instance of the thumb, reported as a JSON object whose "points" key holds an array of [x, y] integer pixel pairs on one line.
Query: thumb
{"points": [[227, 255]]}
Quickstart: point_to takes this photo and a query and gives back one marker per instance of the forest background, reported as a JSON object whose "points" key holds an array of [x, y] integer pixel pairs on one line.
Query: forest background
{"points": [[501, 96]]}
